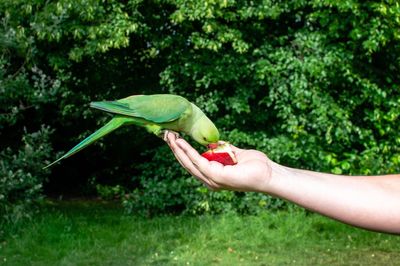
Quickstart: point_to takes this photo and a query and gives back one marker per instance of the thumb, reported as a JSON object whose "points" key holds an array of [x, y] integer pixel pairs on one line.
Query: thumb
{"points": [[235, 149]]}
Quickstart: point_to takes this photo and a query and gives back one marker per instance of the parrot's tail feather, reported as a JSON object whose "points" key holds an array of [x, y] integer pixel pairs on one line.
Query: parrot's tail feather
{"points": [[113, 124]]}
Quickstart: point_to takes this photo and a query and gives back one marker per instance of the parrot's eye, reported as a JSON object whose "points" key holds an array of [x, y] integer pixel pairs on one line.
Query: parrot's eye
{"points": [[204, 138]]}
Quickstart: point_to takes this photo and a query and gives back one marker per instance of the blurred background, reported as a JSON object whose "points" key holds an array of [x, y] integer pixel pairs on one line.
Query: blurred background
{"points": [[313, 84]]}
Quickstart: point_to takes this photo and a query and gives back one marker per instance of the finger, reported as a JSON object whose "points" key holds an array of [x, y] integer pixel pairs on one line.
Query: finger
{"points": [[165, 133], [185, 161], [234, 149], [173, 149], [170, 139], [209, 169], [195, 157]]}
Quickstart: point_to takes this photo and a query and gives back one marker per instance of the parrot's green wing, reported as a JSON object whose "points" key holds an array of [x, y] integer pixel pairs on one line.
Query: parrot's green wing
{"points": [[158, 108]]}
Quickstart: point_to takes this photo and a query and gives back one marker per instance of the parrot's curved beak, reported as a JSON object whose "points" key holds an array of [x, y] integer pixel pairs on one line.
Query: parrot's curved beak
{"points": [[212, 146]]}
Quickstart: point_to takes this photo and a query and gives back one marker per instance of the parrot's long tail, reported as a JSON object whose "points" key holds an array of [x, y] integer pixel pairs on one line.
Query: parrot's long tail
{"points": [[113, 124]]}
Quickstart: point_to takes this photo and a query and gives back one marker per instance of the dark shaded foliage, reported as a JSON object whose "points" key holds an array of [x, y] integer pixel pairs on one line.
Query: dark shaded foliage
{"points": [[314, 84]]}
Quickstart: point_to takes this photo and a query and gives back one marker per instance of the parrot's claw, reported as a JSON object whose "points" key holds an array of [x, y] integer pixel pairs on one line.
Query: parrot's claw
{"points": [[164, 134]]}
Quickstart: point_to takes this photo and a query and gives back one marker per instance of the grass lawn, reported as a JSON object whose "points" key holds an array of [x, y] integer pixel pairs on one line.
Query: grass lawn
{"points": [[95, 233]]}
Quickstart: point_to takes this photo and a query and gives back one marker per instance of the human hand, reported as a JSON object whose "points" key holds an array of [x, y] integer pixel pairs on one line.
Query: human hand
{"points": [[251, 173], [370, 202]]}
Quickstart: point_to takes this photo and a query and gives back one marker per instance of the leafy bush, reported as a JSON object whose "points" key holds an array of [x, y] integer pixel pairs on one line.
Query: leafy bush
{"points": [[24, 139], [21, 178], [298, 80], [110, 192], [314, 84]]}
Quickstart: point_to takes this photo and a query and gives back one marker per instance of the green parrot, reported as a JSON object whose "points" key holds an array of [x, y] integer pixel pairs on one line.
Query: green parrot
{"points": [[156, 113]]}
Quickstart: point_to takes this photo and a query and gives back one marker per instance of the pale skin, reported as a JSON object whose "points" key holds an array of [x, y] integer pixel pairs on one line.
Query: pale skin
{"points": [[369, 202]]}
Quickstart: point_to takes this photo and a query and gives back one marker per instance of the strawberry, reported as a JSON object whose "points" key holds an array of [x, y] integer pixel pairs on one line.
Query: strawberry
{"points": [[221, 153]]}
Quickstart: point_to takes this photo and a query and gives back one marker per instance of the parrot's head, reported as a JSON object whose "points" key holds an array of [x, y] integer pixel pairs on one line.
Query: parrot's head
{"points": [[204, 131]]}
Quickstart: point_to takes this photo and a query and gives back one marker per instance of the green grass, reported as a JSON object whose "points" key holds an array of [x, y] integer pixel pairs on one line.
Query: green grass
{"points": [[90, 233]]}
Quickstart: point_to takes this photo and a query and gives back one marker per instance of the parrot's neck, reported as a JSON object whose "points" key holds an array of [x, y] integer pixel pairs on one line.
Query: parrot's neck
{"points": [[197, 114]]}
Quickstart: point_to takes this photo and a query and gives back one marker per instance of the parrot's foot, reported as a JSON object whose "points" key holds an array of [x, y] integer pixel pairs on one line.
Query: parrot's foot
{"points": [[163, 134]]}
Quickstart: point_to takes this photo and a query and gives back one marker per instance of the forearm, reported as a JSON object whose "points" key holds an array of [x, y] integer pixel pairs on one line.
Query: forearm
{"points": [[371, 202]]}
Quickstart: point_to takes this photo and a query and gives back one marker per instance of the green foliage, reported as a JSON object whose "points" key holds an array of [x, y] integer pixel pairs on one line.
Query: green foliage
{"points": [[301, 84], [21, 178], [314, 84], [25, 138], [110, 192]]}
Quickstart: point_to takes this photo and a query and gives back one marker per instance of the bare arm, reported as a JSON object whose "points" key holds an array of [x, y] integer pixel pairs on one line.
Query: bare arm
{"points": [[371, 202]]}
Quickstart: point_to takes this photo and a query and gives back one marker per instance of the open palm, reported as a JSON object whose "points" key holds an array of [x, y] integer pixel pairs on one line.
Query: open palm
{"points": [[251, 173]]}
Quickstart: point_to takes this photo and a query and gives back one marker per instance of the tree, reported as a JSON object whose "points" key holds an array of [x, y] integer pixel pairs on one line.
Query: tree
{"points": [[314, 84]]}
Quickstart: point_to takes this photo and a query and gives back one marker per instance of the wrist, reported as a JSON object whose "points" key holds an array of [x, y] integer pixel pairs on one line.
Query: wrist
{"points": [[276, 178]]}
